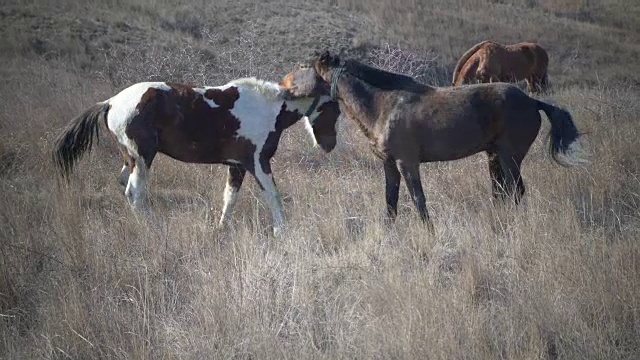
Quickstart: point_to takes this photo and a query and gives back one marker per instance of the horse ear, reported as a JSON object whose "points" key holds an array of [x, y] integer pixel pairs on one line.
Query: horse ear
{"points": [[335, 61], [325, 58]]}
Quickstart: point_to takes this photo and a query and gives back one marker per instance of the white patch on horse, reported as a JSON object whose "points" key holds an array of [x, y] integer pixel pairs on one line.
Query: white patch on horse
{"points": [[123, 109], [309, 128], [302, 105], [257, 116], [270, 90], [230, 197], [202, 90]]}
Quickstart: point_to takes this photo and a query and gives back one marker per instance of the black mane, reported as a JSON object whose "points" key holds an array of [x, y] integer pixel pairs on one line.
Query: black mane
{"points": [[382, 79]]}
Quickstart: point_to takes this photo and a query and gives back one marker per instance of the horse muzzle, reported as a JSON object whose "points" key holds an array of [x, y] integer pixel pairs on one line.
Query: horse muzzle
{"points": [[327, 143]]}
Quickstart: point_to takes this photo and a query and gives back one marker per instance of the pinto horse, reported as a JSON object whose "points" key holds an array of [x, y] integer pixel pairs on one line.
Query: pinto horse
{"points": [[408, 123], [489, 61], [238, 124]]}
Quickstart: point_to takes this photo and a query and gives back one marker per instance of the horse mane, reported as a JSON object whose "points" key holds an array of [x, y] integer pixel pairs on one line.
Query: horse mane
{"points": [[382, 79], [268, 89], [466, 57]]}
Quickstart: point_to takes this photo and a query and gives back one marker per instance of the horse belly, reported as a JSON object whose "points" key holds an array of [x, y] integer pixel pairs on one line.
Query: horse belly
{"points": [[452, 144], [194, 152], [204, 147]]}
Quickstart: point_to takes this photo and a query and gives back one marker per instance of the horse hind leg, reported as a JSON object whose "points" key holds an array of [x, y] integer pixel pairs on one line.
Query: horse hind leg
{"points": [[127, 168], [497, 175], [136, 190], [123, 178], [235, 176], [261, 171], [411, 174], [513, 183]]}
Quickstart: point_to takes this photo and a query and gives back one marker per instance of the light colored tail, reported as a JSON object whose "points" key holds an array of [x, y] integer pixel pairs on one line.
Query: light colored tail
{"points": [[564, 146]]}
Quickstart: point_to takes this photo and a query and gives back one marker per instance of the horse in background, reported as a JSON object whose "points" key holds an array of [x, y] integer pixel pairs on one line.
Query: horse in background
{"points": [[238, 124], [408, 123], [489, 61]]}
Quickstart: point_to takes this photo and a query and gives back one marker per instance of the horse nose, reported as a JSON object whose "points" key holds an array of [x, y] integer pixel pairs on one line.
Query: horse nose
{"points": [[327, 143]]}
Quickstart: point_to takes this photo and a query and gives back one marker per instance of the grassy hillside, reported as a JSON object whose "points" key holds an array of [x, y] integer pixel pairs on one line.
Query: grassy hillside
{"points": [[81, 276]]}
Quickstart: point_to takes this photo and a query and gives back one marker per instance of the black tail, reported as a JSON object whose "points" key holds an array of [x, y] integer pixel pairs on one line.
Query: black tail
{"points": [[78, 137], [563, 145]]}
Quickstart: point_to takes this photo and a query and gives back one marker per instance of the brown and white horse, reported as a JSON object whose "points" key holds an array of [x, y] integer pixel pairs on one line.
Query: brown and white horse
{"points": [[238, 124], [408, 123]]}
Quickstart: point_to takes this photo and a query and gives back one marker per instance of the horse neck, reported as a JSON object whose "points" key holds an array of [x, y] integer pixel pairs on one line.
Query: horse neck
{"points": [[303, 104], [358, 102], [300, 106]]}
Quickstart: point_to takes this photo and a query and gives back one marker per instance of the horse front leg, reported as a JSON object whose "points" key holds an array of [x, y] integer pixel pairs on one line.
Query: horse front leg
{"points": [[264, 177], [235, 176], [531, 85], [392, 187], [538, 83], [544, 82], [411, 174]]}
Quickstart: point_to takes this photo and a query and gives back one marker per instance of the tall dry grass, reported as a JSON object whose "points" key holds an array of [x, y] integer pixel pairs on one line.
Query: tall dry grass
{"points": [[81, 276]]}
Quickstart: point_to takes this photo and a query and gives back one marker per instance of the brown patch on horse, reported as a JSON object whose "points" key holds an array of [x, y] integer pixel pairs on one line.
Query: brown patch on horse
{"points": [[489, 61], [225, 98], [181, 124]]}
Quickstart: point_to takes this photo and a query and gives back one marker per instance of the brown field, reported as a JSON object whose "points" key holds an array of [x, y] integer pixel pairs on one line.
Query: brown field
{"points": [[81, 276]]}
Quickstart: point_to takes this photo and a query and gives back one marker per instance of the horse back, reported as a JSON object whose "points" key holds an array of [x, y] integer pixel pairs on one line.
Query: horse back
{"points": [[190, 124], [424, 130]]}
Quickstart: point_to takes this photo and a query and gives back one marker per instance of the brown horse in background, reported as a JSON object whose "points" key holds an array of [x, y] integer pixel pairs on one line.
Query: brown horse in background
{"points": [[489, 61], [408, 123]]}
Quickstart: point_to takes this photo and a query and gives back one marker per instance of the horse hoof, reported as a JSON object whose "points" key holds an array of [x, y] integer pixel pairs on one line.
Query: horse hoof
{"points": [[221, 226], [277, 231]]}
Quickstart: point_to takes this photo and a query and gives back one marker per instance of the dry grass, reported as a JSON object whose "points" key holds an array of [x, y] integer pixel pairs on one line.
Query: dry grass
{"points": [[82, 277]]}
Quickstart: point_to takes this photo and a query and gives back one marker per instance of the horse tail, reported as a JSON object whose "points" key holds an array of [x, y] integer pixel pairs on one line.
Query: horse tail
{"points": [[78, 137], [564, 147], [464, 59]]}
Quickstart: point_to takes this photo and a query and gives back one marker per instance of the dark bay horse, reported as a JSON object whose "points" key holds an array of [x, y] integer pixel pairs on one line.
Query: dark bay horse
{"points": [[489, 61], [238, 124], [408, 123]]}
